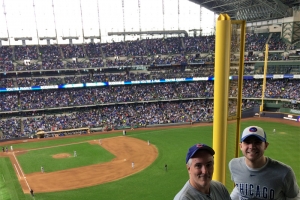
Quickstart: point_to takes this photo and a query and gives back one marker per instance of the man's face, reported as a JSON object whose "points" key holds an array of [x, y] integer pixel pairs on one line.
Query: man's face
{"points": [[253, 148], [201, 170]]}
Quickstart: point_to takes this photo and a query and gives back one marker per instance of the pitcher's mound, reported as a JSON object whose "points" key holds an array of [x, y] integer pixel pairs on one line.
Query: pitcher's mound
{"points": [[62, 155]]}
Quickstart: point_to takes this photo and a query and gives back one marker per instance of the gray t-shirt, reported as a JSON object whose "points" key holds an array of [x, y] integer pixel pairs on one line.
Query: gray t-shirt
{"points": [[217, 192], [275, 180]]}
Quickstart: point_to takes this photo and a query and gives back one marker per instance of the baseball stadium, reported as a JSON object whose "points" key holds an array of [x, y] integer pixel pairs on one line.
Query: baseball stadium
{"points": [[102, 99]]}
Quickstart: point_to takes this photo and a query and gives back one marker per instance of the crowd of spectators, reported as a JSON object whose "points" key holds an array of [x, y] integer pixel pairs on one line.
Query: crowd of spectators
{"points": [[137, 48], [142, 60], [96, 62], [77, 65], [51, 55], [199, 44], [152, 73], [73, 51], [49, 51], [11, 128], [116, 116], [93, 50], [26, 52], [40, 81], [272, 57], [256, 42], [117, 62], [6, 53], [6, 66], [6, 82], [276, 43], [156, 54], [277, 89], [114, 49], [156, 46], [116, 94], [50, 64], [9, 102], [31, 100]]}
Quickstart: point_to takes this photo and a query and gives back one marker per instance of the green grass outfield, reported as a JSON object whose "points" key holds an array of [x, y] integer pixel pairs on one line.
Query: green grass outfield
{"points": [[153, 182]]}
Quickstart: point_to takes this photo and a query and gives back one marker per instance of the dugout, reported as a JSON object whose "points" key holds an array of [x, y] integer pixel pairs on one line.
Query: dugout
{"points": [[40, 134], [63, 132], [272, 114]]}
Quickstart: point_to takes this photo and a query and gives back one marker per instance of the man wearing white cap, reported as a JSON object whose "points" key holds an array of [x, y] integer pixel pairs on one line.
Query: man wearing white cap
{"points": [[200, 165], [259, 177]]}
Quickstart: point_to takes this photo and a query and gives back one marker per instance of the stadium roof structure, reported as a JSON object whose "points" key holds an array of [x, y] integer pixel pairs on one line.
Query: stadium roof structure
{"points": [[251, 10]]}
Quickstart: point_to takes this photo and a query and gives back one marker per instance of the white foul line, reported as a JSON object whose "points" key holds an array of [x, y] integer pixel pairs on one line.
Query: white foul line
{"points": [[17, 170], [21, 171]]}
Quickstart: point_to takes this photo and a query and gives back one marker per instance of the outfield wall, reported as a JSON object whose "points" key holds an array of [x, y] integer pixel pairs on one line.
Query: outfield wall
{"points": [[282, 113], [250, 112], [279, 115]]}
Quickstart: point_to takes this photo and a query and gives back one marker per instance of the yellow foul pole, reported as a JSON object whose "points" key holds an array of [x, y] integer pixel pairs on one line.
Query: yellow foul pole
{"points": [[240, 83], [264, 80], [221, 89]]}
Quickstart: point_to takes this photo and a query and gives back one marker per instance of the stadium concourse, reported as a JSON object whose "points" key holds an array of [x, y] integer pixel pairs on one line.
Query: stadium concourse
{"points": [[93, 174], [31, 99]]}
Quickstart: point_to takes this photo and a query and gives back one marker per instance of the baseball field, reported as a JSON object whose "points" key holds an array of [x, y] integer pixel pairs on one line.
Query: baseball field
{"points": [[103, 166]]}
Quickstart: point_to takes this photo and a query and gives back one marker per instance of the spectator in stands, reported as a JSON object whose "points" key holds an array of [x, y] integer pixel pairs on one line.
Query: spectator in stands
{"points": [[200, 166]]}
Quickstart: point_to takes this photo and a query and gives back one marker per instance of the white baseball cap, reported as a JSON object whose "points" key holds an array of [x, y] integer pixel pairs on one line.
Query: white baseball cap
{"points": [[254, 131]]}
